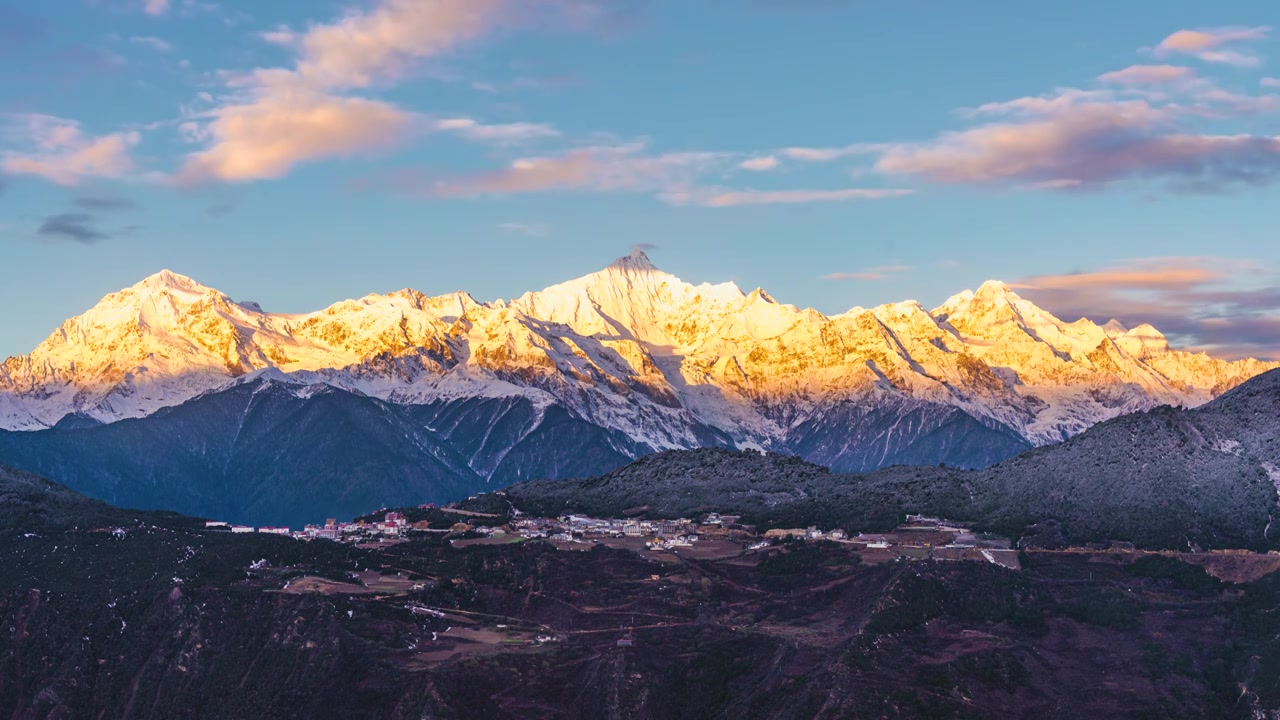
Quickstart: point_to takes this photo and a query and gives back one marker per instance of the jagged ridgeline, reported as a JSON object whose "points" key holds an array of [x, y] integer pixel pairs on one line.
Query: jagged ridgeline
{"points": [[171, 394], [1168, 478]]}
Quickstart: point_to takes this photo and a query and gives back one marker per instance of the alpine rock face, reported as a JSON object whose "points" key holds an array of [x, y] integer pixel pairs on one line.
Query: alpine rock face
{"points": [[647, 361]]}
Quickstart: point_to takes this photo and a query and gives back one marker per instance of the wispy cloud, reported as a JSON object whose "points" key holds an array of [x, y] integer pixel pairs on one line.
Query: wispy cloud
{"points": [[672, 177], [155, 8], [870, 274], [827, 154], [621, 168], [1230, 307], [74, 226], [1270, 82], [59, 151], [1148, 75], [152, 42], [1169, 273], [530, 229], [500, 133], [1077, 139], [1214, 45], [221, 208], [1143, 122], [736, 198], [104, 203], [761, 163]]}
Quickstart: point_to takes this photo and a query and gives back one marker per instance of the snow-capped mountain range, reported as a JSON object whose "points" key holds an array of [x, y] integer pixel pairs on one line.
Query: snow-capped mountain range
{"points": [[633, 350]]}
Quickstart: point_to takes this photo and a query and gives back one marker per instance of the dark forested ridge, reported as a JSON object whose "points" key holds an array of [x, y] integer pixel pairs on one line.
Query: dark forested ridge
{"points": [[1168, 478]]}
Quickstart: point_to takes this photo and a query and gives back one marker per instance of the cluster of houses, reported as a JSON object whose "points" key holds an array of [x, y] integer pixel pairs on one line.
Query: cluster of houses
{"points": [[922, 537], [680, 532], [809, 533], [392, 525]]}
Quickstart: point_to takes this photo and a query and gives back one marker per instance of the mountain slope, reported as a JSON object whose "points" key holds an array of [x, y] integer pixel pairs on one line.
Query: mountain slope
{"points": [[1168, 477], [260, 453], [29, 503], [271, 451]]}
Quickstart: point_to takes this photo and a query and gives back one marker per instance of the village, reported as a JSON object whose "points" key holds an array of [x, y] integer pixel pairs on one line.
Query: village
{"points": [[675, 547], [711, 536], [679, 556]]}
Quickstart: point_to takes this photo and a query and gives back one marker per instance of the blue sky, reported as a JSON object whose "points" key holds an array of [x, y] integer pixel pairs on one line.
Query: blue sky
{"points": [[1105, 159]]}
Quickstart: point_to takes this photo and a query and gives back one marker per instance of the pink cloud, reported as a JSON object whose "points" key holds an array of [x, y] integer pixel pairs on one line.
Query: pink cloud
{"points": [[1078, 139], [1167, 273], [1061, 101], [368, 47], [1228, 307], [1270, 82], [1212, 44], [1216, 102], [60, 152], [625, 168], [1148, 75], [622, 169], [827, 154], [156, 7], [270, 136], [759, 164], [279, 118]]}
